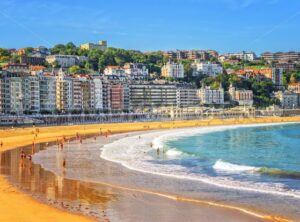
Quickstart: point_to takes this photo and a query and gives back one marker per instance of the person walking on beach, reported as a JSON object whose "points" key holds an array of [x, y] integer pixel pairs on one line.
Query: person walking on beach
{"points": [[23, 155], [32, 148]]}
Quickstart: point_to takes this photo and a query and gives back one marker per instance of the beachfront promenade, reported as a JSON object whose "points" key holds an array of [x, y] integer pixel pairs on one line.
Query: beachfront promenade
{"points": [[166, 115]]}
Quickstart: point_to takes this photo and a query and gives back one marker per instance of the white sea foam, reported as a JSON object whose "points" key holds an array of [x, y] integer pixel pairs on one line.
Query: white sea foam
{"points": [[133, 153], [173, 153], [221, 165]]}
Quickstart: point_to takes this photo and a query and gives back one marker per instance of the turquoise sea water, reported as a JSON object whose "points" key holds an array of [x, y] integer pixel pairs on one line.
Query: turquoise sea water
{"points": [[265, 155]]}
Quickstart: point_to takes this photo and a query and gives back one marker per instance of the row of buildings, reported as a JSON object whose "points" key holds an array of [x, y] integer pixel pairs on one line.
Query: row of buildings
{"points": [[244, 56], [176, 70], [281, 57], [58, 92], [202, 55]]}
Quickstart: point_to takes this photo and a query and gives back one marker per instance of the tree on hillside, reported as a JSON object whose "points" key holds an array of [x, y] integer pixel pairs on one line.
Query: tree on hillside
{"points": [[28, 50], [4, 55], [77, 70]]}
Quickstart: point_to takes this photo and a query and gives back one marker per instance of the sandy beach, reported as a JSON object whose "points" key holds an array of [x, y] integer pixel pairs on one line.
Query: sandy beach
{"points": [[12, 200]]}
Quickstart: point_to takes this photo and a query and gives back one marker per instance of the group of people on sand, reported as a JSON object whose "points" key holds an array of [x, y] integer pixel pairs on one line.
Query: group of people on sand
{"points": [[23, 155]]}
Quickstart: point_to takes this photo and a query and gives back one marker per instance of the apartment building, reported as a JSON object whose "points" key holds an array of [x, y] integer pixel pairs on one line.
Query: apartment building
{"points": [[198, 54], [173, 70], [288, 67], [102, 45], [64, 92], [206, 68], [245, 56], [88, 95], [241, 96], [152, 95], [31, 94], [98, 93], [288, 100], [11, 93], [31, 60], [203, 55], [47, 93], [187, 96], [117, 97], [117, 71], [136, 71], [65, 61], [106, 94], [213, 53], [17, 68], [283, 57], [210, 96]]}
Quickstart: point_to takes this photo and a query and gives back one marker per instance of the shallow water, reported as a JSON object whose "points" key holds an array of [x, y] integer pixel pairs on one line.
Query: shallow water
{"points": [[72, 195], [267, 155]]}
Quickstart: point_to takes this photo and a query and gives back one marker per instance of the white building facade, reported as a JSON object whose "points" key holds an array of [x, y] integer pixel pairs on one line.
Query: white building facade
{"points": [[65, 61], [136, 71], [31, 94], [98, 94], [288, 100], [210, 69], [173, 70], [245, 56], [210, 96], [47, 94], [117, 71]]}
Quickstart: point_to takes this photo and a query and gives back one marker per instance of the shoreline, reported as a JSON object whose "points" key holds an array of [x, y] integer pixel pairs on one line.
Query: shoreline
{"points": [[113, 152], [13, 139]]}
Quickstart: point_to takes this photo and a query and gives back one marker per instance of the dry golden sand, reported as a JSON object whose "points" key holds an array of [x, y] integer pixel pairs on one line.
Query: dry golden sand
{"points": [[16, 206]]}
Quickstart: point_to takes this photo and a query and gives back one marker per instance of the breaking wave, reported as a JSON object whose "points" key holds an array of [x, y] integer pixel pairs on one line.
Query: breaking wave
{"points": [[221, 165]]}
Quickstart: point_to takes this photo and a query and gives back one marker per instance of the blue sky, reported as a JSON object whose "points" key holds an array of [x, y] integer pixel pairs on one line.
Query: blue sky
{"points": [[148, 25]]}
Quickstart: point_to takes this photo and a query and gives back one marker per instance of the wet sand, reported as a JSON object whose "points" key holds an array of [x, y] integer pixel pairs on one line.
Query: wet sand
{"points": [[100, 201], [105, 202]]}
